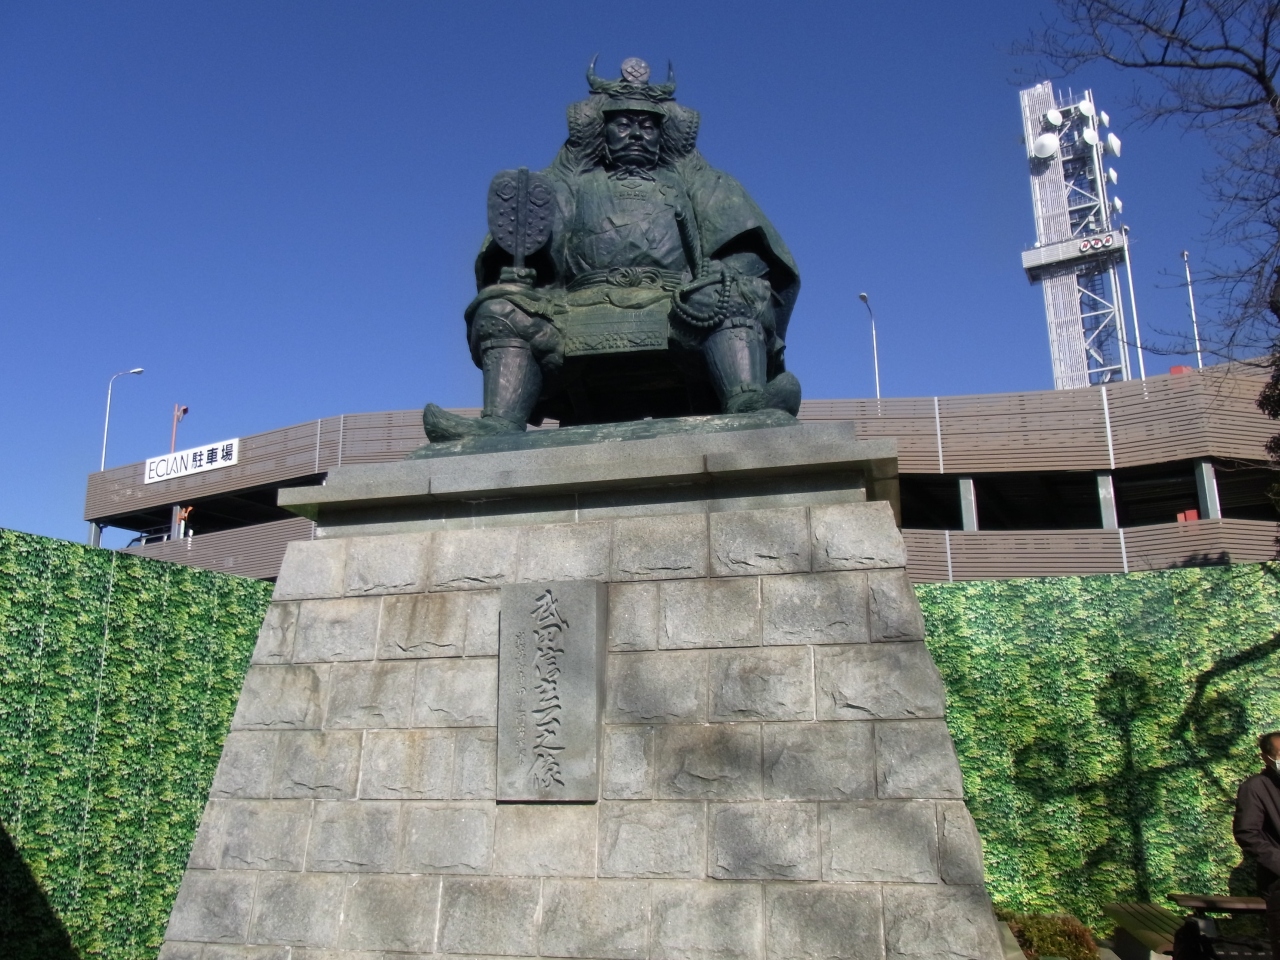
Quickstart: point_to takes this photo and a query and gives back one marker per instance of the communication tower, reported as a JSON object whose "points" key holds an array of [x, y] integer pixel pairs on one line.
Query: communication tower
{"points": [[1078, 247]]}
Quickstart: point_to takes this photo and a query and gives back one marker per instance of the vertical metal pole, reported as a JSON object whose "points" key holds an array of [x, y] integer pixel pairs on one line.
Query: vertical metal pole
{"points": [[875, 350], [1106, 425], [179, 412], [106, 422], [1126, 372], [1137, 332], [95, 531], [1107, 501], [968, 504], [875, 354], [1191, 298], [937, 427], [1207, 491]]}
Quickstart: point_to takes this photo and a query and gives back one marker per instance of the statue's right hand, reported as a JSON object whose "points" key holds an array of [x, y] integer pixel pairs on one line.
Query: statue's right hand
{"points": [[499, 291], [521, 276]]}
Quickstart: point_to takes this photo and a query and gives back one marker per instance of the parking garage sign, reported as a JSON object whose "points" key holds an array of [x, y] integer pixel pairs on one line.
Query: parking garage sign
{"points": [[213, 456]]}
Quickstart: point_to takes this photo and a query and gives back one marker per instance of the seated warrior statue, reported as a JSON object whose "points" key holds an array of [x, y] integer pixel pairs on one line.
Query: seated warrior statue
{"points": [[630, 279]]}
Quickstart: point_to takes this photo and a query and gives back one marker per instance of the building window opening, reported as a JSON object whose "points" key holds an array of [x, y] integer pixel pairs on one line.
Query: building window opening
{"points": [[930, 502], [1156, 493], [1243, 491], [1038, 501]]}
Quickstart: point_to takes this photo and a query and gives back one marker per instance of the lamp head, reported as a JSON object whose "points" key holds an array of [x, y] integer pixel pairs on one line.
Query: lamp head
{"points": [[862, 297]]}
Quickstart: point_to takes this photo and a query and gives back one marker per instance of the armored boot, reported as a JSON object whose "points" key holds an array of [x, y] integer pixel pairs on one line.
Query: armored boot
{"points": [[783, 393], [512, 382], [737, 361]]}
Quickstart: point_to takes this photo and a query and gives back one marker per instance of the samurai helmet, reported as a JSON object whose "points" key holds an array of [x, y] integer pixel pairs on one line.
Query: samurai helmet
{"points": [[585, 146], [632, 91]]}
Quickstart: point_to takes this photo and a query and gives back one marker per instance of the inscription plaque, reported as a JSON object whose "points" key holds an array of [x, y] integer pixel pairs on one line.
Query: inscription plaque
{"points": [[551, 654]]}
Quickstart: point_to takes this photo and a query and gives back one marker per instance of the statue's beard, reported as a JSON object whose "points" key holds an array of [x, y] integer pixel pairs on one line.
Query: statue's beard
{"points": [[631, 159]]}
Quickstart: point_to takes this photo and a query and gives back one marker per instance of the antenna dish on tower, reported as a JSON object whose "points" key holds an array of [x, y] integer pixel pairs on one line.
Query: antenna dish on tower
{"points": [[1116, 205], [1053, 117], [1113, 143], [1106, 120], [1113, 176], [1089, 136], [1086, 108], [1045, 146]]}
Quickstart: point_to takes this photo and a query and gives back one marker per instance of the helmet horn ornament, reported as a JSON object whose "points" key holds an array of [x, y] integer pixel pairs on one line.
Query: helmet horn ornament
{"points": [[668, 89], [594, 82]]}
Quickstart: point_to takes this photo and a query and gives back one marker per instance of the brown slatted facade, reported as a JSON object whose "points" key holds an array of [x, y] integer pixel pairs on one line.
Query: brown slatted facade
{"points": [[1165, 545], [927, 555], [1214, 413], [1231, 406], [910, 420], [1160, 419], [990, 555], [1057, 430], [265, 458], [255, 551], [1211, 413], [978, 555]]}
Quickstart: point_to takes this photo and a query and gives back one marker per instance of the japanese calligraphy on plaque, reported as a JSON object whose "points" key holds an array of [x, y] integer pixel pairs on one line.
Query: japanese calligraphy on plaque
{"points": [[551, 655]]}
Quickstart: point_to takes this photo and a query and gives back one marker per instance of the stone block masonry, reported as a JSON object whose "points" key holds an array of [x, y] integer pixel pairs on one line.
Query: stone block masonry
{"points": [[775, 775]]}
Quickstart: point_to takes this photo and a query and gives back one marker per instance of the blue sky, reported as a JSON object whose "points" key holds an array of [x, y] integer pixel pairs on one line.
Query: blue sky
{"points": [[274, 207]]}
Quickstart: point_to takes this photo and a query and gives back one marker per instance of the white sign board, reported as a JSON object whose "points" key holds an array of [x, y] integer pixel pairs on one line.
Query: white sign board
{"points": [[225, 453]]}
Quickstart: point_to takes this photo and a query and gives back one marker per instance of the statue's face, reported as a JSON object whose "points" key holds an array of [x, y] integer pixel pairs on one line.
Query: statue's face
{"points": [[631, 138]]}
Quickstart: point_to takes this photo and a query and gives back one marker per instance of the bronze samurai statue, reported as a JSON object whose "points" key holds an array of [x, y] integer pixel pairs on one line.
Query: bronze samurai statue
{"points": [[629, 279]]}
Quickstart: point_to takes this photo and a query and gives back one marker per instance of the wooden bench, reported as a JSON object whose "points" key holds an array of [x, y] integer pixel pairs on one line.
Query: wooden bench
{"points": [[1201, 905], [1143, 930], [1228, 947]]}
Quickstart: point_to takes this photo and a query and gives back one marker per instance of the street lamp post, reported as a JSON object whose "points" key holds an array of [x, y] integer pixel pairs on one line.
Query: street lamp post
{"points": [[95, 532], [875, 351], [1191, 299]]}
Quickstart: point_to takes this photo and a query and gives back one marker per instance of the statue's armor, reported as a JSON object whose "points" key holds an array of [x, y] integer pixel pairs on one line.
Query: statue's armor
{"points": [[620, 258], [624, 222]]}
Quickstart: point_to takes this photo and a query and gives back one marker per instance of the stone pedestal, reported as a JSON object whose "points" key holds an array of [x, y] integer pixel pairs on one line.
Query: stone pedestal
{"points": [[776, 779]]}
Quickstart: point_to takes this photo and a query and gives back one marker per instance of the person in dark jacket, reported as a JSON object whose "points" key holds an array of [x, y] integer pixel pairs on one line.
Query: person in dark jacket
{"points": [[1257, 829]]}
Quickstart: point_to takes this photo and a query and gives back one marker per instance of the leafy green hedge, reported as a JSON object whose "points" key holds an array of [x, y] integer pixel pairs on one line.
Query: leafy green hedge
{"points": [[118, 678], [1103, 724]]}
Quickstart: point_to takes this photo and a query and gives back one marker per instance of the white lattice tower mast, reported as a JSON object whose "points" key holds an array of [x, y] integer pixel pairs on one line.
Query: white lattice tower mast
{"points": [[1077, 249]]}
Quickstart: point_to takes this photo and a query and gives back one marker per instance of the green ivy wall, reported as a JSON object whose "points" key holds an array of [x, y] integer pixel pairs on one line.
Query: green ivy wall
{"points": [[1102, 724], [118, 678]]}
